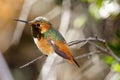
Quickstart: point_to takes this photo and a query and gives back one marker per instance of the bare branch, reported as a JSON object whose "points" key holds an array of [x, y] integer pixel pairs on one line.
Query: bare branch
{"points": [[20, 26], [105, 49], [100, 48], [40, 57], [85, 40], [86, 55]]}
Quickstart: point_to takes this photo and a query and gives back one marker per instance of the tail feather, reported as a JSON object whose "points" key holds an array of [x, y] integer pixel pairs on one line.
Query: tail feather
{"points": [[75, 62]]}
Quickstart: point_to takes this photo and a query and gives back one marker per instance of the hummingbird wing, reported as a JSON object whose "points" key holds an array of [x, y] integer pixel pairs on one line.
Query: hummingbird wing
{"points": [[59, 45], [65, 53], [56, 49]]}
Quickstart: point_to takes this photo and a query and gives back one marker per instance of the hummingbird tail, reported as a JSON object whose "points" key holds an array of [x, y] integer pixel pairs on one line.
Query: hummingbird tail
{"points": [[75, 62]]}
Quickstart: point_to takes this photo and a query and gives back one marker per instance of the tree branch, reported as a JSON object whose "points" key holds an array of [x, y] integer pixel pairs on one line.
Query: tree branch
{"points": [[90, 41], [40, 57], [105, 47]]}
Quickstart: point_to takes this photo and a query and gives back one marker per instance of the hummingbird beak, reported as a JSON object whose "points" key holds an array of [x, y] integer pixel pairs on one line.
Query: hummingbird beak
{"points": [[22, 21]]}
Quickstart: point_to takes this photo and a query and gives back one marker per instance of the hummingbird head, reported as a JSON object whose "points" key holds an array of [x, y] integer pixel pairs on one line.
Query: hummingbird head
{"points": [[40, 23]]}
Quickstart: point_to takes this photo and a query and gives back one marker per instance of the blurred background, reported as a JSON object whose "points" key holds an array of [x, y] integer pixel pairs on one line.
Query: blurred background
{"points": [[76, 20]]}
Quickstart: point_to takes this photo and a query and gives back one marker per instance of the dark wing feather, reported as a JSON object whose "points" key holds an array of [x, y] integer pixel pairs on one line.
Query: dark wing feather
{"points": [[56, 49], [60, 53]]}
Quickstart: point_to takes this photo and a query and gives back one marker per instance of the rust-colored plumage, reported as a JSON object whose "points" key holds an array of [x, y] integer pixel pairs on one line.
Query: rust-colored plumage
{"points": [[49, 40]]}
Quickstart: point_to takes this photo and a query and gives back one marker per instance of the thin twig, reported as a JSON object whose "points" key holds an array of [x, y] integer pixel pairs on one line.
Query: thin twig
{"points": [[84, 44], [86, 55], [85, 40], [111, 52], [106, 48], [20, 26], [40, 57], [100, 48]]}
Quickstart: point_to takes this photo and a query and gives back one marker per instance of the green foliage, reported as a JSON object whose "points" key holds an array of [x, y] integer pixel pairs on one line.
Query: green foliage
{"points": [[108, 59], [118, 34], [95, 7], [80, 21], [116, 67], [115, 47], [94, 11], [99, 3], [115, 44]]}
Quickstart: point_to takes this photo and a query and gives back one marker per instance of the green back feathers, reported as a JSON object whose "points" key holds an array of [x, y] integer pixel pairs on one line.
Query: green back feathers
{"points": [[51, 33], [54, 34]]}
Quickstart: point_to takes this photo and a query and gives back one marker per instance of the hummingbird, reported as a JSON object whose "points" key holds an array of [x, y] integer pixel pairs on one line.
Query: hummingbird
{"points": [[49, 40]]}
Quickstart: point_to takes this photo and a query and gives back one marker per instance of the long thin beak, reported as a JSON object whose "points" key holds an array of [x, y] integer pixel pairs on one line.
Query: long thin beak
{"points": [[22, 21]]}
